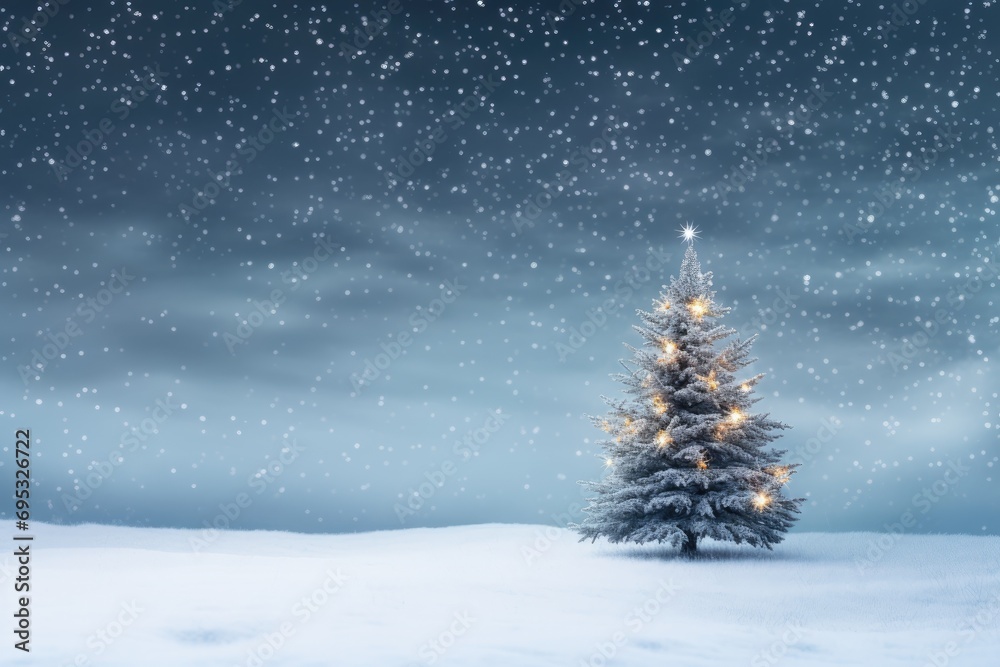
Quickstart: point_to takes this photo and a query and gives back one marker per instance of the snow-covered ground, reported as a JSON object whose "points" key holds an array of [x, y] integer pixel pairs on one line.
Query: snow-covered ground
{"points": [[504, 595]]}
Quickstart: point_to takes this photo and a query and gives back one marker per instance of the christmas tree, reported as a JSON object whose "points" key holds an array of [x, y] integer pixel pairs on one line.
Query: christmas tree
{"points": [[686, 457]]}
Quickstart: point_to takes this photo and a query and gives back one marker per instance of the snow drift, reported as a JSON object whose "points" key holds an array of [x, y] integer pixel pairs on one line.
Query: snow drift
{"points": [[505, 595]]}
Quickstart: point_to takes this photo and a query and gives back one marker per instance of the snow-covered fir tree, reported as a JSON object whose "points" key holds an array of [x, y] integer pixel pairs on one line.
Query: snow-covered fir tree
{"points": [[686, 456]]}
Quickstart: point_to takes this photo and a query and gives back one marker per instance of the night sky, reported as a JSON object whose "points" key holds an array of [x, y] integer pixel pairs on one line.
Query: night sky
{"points": [[319, 254]]}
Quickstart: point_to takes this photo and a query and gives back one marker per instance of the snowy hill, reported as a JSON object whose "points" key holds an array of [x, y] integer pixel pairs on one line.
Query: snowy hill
{"points": [[505, 595]]}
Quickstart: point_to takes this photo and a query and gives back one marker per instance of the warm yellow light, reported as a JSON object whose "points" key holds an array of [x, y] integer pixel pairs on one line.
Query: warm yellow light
{"points": [[663, 439], [745, 388], [783, 474], [669, 348], [701, 464], [665, 305], [710, 381], [629, 427], [736, 416], [606, 426], [659, 405], [761, 500], [698, 308], [608, 463]]}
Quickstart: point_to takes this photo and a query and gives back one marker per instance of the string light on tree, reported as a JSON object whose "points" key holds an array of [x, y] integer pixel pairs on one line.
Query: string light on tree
{"points": [[659, 404], [761, 500], [669, 351], [710, 381], [782, 474], [663, 439], [698, 307], [720, 431]]}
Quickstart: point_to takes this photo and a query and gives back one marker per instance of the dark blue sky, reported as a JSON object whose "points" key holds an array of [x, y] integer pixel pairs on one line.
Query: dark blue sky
{"points": [[462, 194]]}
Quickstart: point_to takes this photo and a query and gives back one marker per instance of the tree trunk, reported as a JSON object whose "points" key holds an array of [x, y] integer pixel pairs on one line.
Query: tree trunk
{"points": [[691, 546]]}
